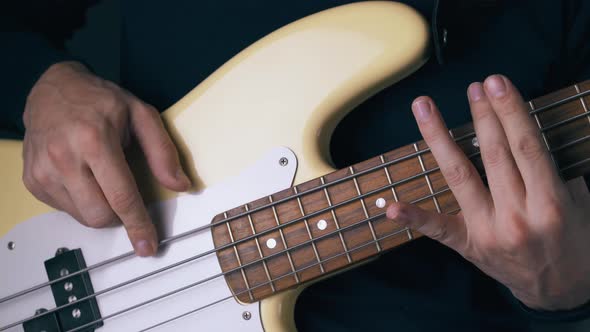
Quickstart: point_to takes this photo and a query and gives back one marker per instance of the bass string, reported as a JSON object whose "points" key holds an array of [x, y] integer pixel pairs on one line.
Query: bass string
{"points": [[133, 280], [190, 232]]}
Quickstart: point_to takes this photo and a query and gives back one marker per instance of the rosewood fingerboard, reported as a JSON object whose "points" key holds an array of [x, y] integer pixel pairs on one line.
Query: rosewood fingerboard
{"points": [[332, 222]]}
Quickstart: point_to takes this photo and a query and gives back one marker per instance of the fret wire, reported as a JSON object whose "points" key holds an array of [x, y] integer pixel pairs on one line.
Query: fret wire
{"points": [[427, 180], [583, 102], [335, 219], [274, 211], [358, 190], [538, 121], [231, 236], [315, 250], [272, 286], [409, 231], [561, 102], [195, 230]]}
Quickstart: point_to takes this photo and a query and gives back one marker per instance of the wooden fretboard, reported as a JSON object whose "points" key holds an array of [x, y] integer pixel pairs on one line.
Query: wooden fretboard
{"points": [[332, 222]]}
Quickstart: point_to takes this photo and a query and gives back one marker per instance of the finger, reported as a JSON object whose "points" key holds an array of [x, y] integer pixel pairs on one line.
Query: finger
{"points": [[161, 154], [89, 199], [502, 173], [448, 230], [530, 153], [116, 182], [460, 174]]}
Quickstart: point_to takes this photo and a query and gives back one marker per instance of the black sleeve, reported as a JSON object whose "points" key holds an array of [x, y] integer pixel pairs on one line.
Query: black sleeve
{"points": [[577, 40], [32, 35]]}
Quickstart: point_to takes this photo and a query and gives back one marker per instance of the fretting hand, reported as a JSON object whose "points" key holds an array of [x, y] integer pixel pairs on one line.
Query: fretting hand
{"points": [[77, 125], [526, 230]]}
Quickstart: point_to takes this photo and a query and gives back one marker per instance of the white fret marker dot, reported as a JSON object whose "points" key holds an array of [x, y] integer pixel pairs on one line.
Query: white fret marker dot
{"points": [[380, 203], [322, 224], [475, 142], [271, 243]]}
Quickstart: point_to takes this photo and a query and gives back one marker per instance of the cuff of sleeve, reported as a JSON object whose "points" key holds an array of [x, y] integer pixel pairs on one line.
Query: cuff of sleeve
{"points": [[580, 313]]}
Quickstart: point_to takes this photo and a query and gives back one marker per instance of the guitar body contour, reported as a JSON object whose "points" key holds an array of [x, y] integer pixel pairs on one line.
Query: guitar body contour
{"points": [[280, 97]]}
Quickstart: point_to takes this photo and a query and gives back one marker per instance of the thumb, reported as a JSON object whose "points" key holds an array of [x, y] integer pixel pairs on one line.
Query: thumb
{"points": [[160, 152], [449, 230]]}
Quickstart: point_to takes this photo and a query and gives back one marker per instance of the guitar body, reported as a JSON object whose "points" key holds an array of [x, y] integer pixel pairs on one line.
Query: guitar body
{"points": [[279, 99]]}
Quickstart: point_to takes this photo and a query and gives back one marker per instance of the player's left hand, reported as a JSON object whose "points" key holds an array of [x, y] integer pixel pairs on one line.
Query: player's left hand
{"points": [[528, 230]]}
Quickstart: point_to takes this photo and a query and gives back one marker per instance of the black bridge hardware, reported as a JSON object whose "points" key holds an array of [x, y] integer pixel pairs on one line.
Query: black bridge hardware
{"points": [[67, 291]]}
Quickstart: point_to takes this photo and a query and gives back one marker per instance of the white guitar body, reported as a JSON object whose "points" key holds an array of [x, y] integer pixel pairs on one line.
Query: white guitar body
{"points": [[280, 97], [46, 233]]}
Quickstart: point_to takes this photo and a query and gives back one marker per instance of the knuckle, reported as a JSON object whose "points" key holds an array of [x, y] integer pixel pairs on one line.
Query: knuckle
{"points": [[518, 238], [101, 219], [29, 182], [148, 110], [529, 146], [58, 152], [90, 136], [554, 215], [165, 146], [41, 176], [458, 174], [124, 201], [113, 103], [496, 154]]}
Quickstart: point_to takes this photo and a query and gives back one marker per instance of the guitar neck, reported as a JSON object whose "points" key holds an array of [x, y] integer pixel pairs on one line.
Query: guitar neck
{"points": [[338, 220]]}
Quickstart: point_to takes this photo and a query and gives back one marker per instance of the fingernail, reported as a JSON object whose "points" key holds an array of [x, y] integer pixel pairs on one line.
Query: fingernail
{"points": [[181, 176], [496, 86], [143, 248], [475, 91], [422, 110]]}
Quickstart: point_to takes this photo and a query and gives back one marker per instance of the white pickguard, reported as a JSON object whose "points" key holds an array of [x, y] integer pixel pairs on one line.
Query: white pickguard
{"points": [[37, 240]]}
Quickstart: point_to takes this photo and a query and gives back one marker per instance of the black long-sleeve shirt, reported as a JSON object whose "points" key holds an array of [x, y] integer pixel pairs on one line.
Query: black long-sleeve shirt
{"points": [[169, 47]]}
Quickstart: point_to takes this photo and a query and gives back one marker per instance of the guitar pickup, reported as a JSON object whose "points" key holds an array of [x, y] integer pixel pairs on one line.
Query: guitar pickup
{"points": [[67, 291]]}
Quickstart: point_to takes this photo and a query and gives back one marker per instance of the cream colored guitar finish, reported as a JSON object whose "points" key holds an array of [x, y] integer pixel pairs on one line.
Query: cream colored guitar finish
{"points": [[289, 89]]}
